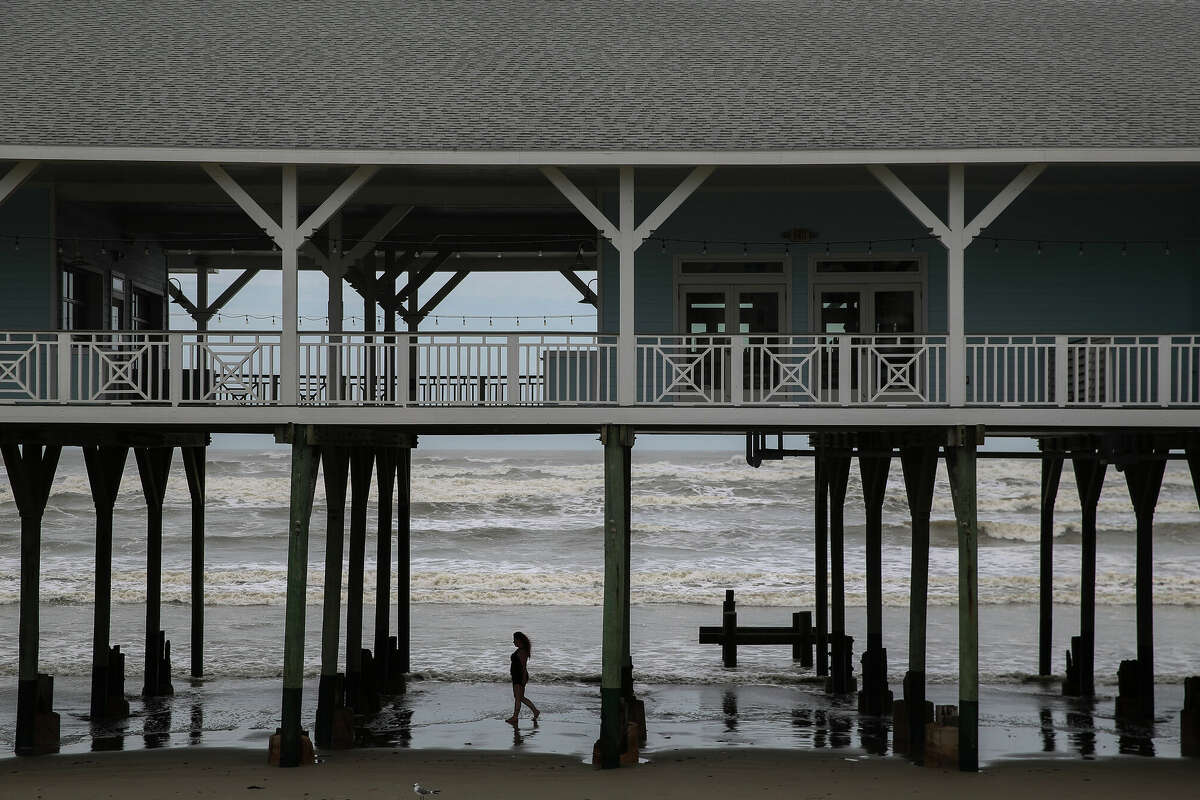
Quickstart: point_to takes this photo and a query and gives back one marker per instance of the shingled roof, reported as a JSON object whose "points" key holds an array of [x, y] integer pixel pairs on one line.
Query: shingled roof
{"points": [[600, 75]]}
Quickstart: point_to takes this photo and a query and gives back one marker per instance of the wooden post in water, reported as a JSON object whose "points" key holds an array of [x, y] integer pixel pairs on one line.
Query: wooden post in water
{"points": [[105, 465], [305, 459], [821, 548], [960, 463], [1052, 465], [874, 462], [30, 473], [335, 471], [1089, 478], [154, 464], [840, 681], [403, 556], [1144, 479], [194, 469], [729, 630], [627, 587], [361, 461], [919, 463], [385, 477], [618, 444]]}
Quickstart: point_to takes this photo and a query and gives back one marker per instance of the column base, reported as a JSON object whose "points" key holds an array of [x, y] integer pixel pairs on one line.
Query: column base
{"points": [[306, 756], [875, 698], [37, 723]]}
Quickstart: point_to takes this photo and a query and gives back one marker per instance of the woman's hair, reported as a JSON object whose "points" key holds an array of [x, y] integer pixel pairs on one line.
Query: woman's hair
{"points": [[523, 642]]}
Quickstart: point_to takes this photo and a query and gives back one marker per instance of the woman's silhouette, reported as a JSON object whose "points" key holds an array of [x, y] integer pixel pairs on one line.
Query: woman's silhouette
{"points": [[519, 673]]}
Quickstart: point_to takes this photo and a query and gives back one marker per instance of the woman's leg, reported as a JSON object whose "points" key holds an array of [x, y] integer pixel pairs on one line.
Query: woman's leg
{"points": [[529, 703], [518, 695]]}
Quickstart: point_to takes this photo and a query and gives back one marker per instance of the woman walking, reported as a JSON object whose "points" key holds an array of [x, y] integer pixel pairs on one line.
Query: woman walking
{"points": [[519, 673]]}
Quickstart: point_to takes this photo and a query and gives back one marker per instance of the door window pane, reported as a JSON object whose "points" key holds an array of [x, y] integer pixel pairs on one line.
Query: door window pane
{"points": [[895, 312], [840, 312], [705, 312], [758, 312]]}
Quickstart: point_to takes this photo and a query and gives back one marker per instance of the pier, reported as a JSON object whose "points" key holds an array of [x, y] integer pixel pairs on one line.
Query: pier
{"points": [[903, 267]]}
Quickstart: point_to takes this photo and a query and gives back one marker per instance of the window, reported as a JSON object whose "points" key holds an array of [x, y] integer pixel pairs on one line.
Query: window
{"points": [[72, 303], [147, 311], [116, 303]]}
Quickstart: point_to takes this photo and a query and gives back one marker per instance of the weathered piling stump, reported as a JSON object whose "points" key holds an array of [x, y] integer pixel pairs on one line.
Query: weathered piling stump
{"points": [[158, 661], [941, 738], [910, 716], [275, 746], [1129, 701], [841, 666], [113, 704], [875, 698], [802, 650], [1189, 718], [1071, 684]]}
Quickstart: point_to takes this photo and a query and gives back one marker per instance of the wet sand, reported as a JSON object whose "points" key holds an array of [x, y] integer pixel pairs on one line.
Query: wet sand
{"points": [[690, 774]]}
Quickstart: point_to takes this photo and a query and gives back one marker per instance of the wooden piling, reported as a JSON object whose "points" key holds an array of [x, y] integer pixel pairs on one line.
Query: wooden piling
{"points": [[618, 443], [1089, 478], [960, 463], [821, 552], [1144, 479], [385, 477], [335, 465], [919, 464], [154, 464], [1052, 465], [874, 462], [729, 630], [105, 466], [194, 468], [403, 558], [838, 477], [361, 461], [30, 473], [305, 460]]}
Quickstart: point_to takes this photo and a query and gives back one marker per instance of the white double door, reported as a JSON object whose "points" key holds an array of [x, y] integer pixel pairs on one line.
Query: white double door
{"points": [[721, 310], [868, 309]]}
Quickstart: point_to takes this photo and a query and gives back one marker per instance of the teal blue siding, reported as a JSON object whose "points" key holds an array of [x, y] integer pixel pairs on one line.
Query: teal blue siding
{"points": [[1010, 291], [29, 283]]}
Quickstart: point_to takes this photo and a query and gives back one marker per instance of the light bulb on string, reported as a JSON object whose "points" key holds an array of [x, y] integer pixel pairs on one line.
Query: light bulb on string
{"points": [[539, 252], [664, 247], [787, 249], [16, 243], [1124, 249], [1039, 248], [870, 247], [543, 322], [744, 249], [827, 248], [1081, 248], [995, 245], [146, 251], [103, 249], [704, 249], [489, 322], [1166, 248]]}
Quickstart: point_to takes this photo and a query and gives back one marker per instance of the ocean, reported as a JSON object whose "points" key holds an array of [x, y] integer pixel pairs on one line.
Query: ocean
{"points": [[505, 540]]}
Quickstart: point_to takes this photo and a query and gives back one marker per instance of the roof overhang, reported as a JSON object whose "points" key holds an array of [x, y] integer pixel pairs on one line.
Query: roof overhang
{"points": [[235, 155]]}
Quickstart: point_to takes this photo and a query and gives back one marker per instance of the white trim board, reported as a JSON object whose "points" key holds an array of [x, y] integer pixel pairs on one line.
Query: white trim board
{"points": [[730, 419], [637, 158]]}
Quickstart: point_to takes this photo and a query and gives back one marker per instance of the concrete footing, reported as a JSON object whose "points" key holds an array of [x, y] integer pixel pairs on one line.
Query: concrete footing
{"points": [[308, 756], [941, 738]]}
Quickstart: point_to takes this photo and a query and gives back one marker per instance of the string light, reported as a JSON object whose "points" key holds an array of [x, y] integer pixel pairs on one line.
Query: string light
{"points": [[1166, 248], [1081, 248], [995, 245], [1039, 248], [1124, 249], [16, 243], [704, 249]]}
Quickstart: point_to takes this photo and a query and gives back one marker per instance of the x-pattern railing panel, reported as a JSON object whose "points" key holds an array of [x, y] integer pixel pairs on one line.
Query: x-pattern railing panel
{"points": [[27, 365], [785, 369]]}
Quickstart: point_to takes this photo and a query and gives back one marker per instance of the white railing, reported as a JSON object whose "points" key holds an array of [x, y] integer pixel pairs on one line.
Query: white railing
{"points": [[457, 369], [1126, 370], [895, 369], [683, 370], [558, 369], [28, 366], [227, 368]]}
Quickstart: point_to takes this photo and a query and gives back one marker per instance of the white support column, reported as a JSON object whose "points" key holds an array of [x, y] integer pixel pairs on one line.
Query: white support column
{"points": [[291, 235], [626, 332], [627, 237], [335, 310], [289, 342], [955, 237], [956, 246]]}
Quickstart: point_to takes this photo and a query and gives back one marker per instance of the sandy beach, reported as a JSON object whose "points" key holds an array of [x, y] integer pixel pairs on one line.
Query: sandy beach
{"points": [[688, 774]]}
